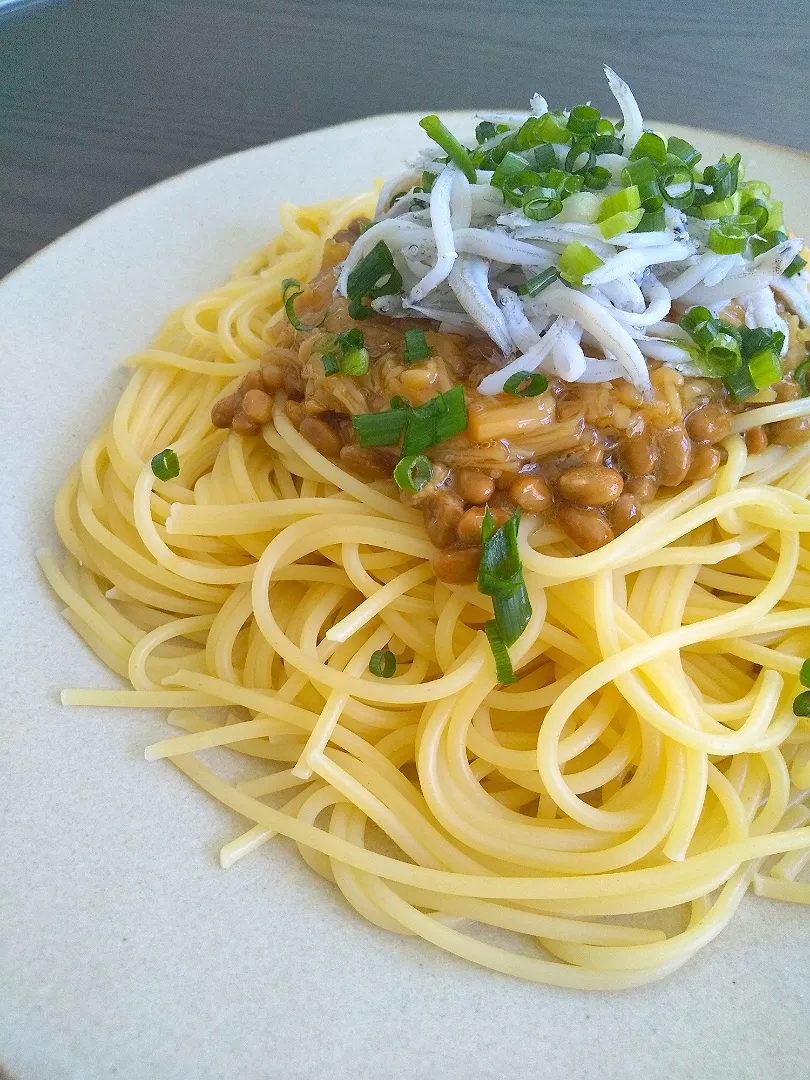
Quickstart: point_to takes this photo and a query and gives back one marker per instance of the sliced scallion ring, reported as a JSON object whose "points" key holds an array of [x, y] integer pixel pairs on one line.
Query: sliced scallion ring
{"points": [[534, 384], [412, 473]]}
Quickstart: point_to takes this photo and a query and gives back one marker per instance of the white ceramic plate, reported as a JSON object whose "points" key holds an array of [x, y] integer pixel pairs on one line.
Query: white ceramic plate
{"points": [[125, 951]]}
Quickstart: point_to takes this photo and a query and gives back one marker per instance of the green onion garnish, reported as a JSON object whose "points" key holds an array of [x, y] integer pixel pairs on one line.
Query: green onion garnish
{"points": [[374, 276], [539, 282], [793, 268], [800, 375], [740, 384], [765, 368], [290, 291], [757, 210], [330, 364], [643, 175], [535, 384], [652, 221], [354, 362], [683, 150], [503, 665], [438, 419], [628, 198], [650, 145], [412, 473], [166, 465], [700, 324], [804, 674], [416, 346], [381, 428], [583, 120], [801, 706], [723, 177], [626, 221], [712, 211], [383, 664], [542, 158], [581, 147], [450, 144], [541, 203], [501, 576], [553, 128], [597, 178], [677, 185], [726, 238], [576, 261], [608, 144], [400, 402], [766, 241], [775, 216], [484, 131]]}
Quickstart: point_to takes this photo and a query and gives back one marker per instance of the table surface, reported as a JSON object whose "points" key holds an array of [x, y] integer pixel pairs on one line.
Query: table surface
{"points": [[99, 98]]}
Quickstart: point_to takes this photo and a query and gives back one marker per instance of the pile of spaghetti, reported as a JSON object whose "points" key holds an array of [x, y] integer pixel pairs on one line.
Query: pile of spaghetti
{"points": [[646, 763]]}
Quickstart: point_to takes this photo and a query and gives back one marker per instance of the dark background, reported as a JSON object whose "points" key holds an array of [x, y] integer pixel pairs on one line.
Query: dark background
{"points": [[101, 97]]}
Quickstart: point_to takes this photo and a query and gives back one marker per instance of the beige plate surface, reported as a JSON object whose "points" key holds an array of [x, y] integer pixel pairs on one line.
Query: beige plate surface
{"points": [[124, 950]]}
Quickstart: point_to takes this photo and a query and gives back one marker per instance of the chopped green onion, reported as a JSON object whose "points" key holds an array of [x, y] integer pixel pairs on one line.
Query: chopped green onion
{"points": [[740, 384], [793, 268], [330, 364], [518, 185], [541, 203], [608, 144], [374, 276], [800, 375], [383, 664], [351, 339], [756, 189], [652, 221], [723, 355], [584, 120], [501, 576], [543, 158], [757, 210], [723, 178], [726, 238], [400, 402], [457, 153], [381, 428], [801, 706], [539, 282], [701, 325], [746, 222], [765, 368], [354, 362], [597, 178], [650, 145], [643, 175], [288, 297], [775, 216], [719, 208], [626, 199], [536, 384], [626, 221], [166, 465], [753, 341], [576, 261], [553, 127], [484, 131], [767, 240], [572, 184], [438, 419], [582, 146], [804, 674], [683, 150], [416, 346], [604, 127], [428, 180], [503, 665], [672, 179], [412, 473]]}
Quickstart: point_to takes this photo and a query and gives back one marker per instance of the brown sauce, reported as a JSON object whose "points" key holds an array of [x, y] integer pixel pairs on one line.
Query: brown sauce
{"points": [[586, 455]]}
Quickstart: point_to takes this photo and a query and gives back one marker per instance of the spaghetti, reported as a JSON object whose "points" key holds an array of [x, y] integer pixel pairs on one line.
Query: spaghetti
{"points": [[647, 758]]}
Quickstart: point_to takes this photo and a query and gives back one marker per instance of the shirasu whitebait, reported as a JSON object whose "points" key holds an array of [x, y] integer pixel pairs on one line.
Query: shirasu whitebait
{"points": [[465, 243]]}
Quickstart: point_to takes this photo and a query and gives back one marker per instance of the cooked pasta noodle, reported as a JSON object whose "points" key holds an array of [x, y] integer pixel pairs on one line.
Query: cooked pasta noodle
{"points": [[647, 758]]}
